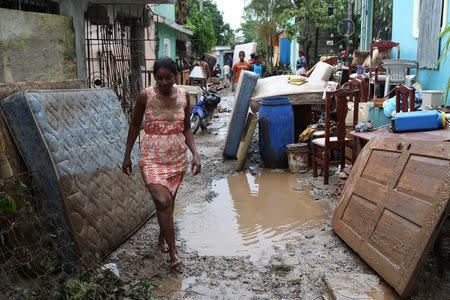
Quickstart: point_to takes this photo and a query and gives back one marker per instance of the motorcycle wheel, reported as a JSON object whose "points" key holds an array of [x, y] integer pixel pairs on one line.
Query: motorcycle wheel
{"points": [[195, 123], [205, 122]]}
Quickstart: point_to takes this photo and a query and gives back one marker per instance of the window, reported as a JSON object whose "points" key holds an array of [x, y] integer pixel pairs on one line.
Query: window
{"points": [[416, 17], [40, 6], [430, 24], [166, 47]]}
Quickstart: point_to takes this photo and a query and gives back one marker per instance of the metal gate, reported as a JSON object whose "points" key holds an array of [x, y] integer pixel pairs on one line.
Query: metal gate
{"points": [[121, 46]]}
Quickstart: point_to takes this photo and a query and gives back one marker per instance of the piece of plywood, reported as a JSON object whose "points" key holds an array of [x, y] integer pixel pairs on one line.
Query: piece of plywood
{"points": [[246, 139], [393, 205]]}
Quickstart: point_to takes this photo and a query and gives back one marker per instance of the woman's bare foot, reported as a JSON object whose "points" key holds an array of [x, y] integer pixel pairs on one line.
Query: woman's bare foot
{"points": [[162, 243], [174, 259]]}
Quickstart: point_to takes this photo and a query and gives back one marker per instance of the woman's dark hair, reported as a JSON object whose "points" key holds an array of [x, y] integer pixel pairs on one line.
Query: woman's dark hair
{"points": [[165, 62]]}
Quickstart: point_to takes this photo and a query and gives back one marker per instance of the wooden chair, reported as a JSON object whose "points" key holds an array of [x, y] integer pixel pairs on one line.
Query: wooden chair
{"points": [[360, 83], [322, 147], [404, 91], [380, 76]]}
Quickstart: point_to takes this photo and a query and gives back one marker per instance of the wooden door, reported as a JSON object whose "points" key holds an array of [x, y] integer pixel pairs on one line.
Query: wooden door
{"points": [[393, 204]]}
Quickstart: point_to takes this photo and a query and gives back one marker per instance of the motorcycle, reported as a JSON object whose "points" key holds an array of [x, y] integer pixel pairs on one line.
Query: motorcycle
{"points": [[203, 111]]}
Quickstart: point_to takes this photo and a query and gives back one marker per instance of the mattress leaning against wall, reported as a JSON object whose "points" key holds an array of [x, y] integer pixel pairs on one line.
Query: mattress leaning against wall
{"points": [[244, 91], [75, 141]]}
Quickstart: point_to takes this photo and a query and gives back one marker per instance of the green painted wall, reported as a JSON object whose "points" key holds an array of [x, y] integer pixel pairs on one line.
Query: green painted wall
{"points": [[36, 46], [165, 10], [166, 32]]}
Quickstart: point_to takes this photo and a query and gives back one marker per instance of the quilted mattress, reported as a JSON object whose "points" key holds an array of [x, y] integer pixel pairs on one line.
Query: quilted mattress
{"points": [[75, 141], [244, 91]]}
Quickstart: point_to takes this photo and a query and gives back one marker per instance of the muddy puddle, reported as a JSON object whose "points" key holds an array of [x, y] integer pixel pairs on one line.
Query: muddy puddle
{"points": [[250, 214]]}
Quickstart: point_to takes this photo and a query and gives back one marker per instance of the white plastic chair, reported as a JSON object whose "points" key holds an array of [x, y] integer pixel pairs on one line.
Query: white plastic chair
{"points": [[396, 70]]}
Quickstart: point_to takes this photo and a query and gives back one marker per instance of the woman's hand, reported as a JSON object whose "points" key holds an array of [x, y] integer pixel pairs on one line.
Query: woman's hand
{"points": [[196, 165], [126, 166]]}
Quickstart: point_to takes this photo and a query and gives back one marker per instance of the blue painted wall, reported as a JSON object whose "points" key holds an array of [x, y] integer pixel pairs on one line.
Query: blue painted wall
{"points": [[402, 27]]}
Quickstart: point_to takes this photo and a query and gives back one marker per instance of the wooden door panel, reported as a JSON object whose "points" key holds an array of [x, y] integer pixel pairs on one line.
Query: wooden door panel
{"points": [[393, 204]]}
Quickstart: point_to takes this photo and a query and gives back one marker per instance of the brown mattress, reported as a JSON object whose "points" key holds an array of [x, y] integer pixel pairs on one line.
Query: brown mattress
{"points": [[75, 141]]}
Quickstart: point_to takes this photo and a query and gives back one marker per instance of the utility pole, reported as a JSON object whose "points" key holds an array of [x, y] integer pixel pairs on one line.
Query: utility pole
{"points": [[350, 4], [201, 5]]}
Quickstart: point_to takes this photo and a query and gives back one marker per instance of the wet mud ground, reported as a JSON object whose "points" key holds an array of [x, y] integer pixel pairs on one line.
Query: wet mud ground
{"points": [[257, 234]]}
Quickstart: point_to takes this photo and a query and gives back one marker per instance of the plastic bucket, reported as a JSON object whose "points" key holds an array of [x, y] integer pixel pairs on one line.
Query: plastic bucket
{"points": [[276, 131], [298, 157]]}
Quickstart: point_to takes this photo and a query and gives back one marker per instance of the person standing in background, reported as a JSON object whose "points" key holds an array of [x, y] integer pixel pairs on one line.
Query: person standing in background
{"points": [[258, 67], [238, 68], [226, 72], [302, 63]]}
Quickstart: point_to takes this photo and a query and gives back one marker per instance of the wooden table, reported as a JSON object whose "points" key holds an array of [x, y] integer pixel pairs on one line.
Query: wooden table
{"points": [[439, 135]]}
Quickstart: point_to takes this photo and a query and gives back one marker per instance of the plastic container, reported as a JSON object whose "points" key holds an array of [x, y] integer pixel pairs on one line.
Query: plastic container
{"points": [[276, 131], [298, 157], [432, 98], [419, 120], [363, 113]]}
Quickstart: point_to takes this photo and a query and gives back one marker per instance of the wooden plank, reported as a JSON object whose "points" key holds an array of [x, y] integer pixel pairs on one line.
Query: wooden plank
{"points": [[246, 139], [439, 135], [393, 205]]}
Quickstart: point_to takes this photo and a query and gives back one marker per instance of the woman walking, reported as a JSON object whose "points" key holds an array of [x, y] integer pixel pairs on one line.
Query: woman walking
{"points": [[168, 134]]}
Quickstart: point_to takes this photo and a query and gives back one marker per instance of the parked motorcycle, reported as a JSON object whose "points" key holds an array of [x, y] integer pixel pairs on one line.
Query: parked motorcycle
{"points": [[203, 111]]}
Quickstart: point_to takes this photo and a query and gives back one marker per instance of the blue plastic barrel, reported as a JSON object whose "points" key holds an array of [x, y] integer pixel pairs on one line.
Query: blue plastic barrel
{"points": [[419, 120], [276, 131]]}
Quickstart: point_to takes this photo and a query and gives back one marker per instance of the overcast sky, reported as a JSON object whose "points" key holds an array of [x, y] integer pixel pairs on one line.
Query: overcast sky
{"points": [[232, 10]]}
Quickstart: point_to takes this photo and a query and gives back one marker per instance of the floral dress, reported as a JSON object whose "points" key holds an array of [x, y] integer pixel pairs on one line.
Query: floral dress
{"points": [[163, 157]]}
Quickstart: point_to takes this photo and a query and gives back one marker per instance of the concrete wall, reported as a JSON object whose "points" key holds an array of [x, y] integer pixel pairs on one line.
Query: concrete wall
{"points": [[402, 32], [36, 46]]}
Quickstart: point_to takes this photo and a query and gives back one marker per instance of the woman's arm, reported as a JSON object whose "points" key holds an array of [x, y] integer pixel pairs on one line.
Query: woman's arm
{"points": [[133, 131], [189, 137]]}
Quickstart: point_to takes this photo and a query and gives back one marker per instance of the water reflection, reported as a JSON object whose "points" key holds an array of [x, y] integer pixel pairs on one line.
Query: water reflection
{"points": [[249, 214]]}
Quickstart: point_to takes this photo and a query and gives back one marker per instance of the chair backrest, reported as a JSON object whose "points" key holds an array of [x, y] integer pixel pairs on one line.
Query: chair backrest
{"points": [[402, 93], [383, 46], [360, 83], [340, 98]]}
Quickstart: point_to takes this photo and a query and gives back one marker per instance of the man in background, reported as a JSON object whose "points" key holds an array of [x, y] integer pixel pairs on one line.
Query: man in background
{"points": [[238, 67]]}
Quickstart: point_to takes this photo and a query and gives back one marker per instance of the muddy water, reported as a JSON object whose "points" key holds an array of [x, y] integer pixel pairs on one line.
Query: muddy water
{"points": [[250, 214]]}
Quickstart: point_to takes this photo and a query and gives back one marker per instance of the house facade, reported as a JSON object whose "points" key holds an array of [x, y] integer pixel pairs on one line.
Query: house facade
{"points": [[415, 24], [172, 36], [407, 17]]}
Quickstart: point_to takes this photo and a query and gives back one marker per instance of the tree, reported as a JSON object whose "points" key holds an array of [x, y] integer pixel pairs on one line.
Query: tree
{"points": [[208, 26], [266, 16], [223, 32], [203, 38]]}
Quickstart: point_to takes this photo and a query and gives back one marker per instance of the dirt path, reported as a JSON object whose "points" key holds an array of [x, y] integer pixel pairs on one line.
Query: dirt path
{"points": [[315, 264]]}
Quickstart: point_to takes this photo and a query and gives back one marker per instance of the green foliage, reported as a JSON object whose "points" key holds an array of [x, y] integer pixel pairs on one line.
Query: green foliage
{"points": [[203, 39], [262, 20], [444, 56], [299, 19], [222, 31], [208, 26], [7, 203]]}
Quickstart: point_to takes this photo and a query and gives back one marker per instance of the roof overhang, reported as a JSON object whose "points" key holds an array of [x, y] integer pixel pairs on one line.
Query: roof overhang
{"points": [[172, 24], [222, 48]]}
